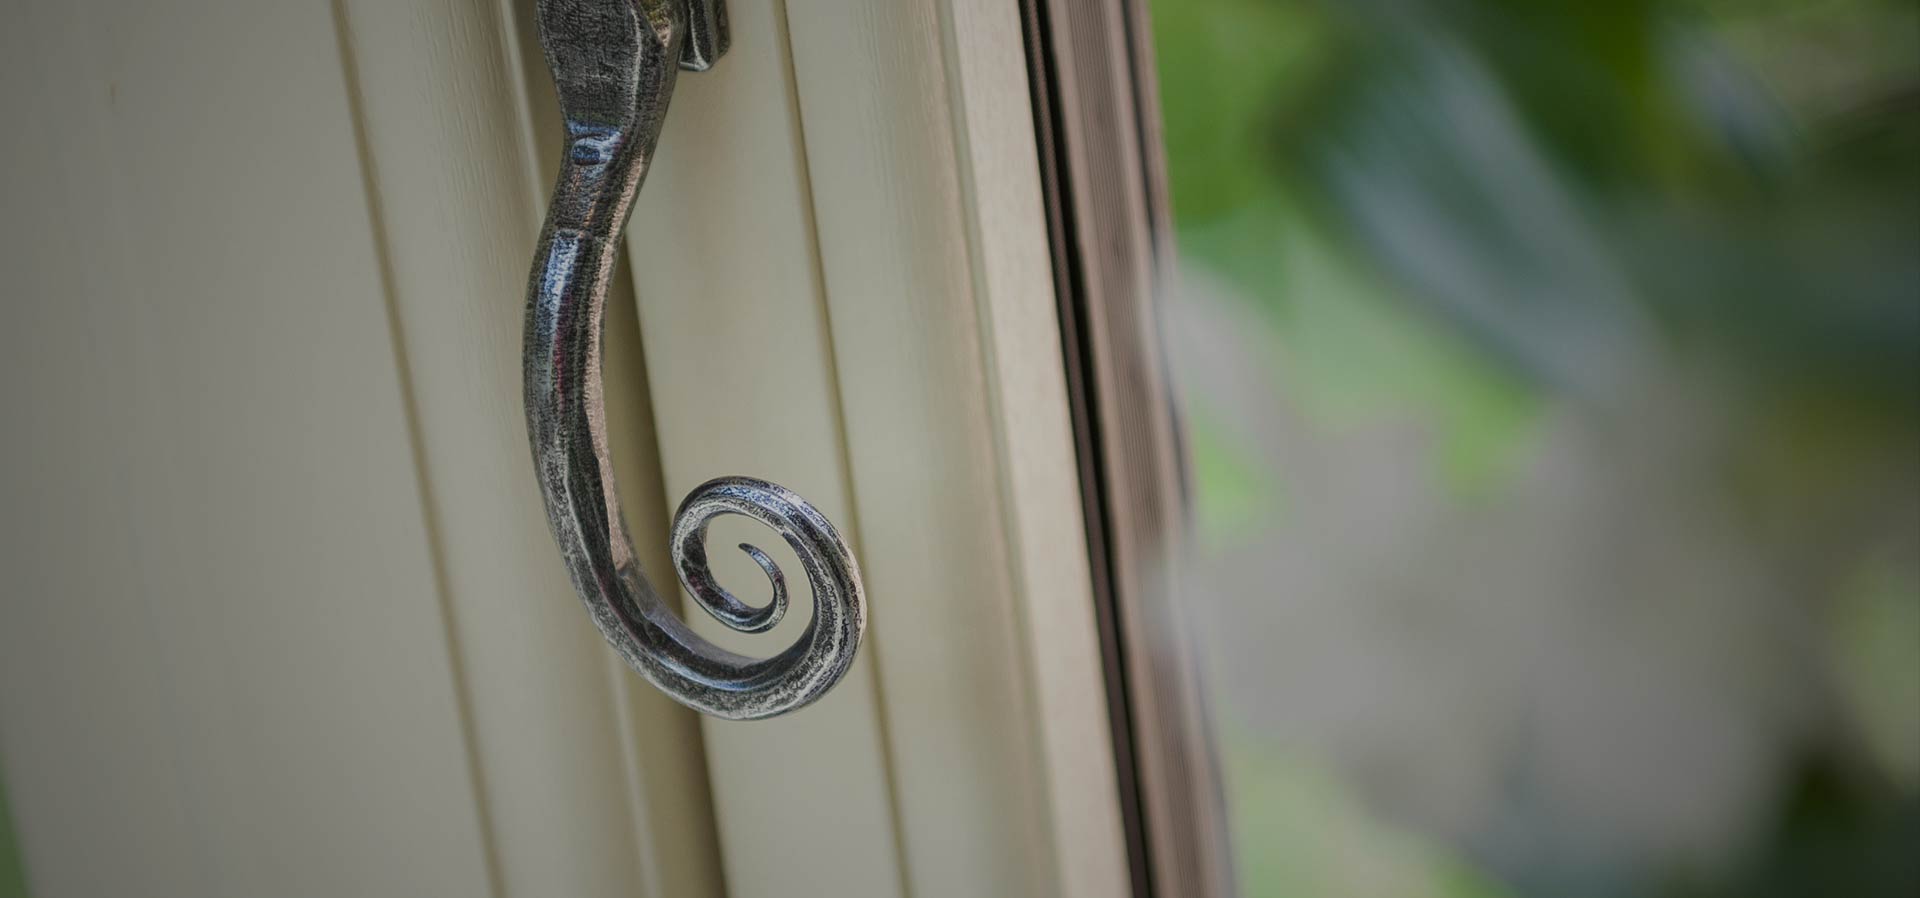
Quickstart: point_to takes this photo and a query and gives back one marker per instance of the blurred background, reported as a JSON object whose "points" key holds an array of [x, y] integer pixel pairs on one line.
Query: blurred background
{"points": [[1552, 381]]}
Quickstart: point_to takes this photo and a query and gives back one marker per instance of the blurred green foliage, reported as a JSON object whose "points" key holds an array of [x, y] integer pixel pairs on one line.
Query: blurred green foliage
{"points": [[1460, 211]]}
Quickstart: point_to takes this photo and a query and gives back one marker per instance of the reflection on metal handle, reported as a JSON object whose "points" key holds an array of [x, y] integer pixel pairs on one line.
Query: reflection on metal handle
{"points": [[614, 62]]}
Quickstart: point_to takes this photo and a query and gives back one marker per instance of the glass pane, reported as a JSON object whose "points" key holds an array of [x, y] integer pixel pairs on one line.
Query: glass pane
{"points": [[1552, 384]]}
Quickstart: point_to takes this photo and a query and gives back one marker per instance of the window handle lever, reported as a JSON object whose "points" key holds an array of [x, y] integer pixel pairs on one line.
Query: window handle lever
{"points": [[615, 63]]}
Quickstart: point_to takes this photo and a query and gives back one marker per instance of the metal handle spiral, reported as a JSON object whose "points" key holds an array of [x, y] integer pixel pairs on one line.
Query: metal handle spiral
{"points": [[615, 64]]}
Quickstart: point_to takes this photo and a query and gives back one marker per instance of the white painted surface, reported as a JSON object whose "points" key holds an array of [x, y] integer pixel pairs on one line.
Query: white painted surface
{"points": [[223, 663], [929, 212]]}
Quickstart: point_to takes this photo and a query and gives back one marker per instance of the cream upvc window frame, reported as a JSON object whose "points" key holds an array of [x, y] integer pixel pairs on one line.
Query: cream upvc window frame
{"points": [[842, 281]]}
